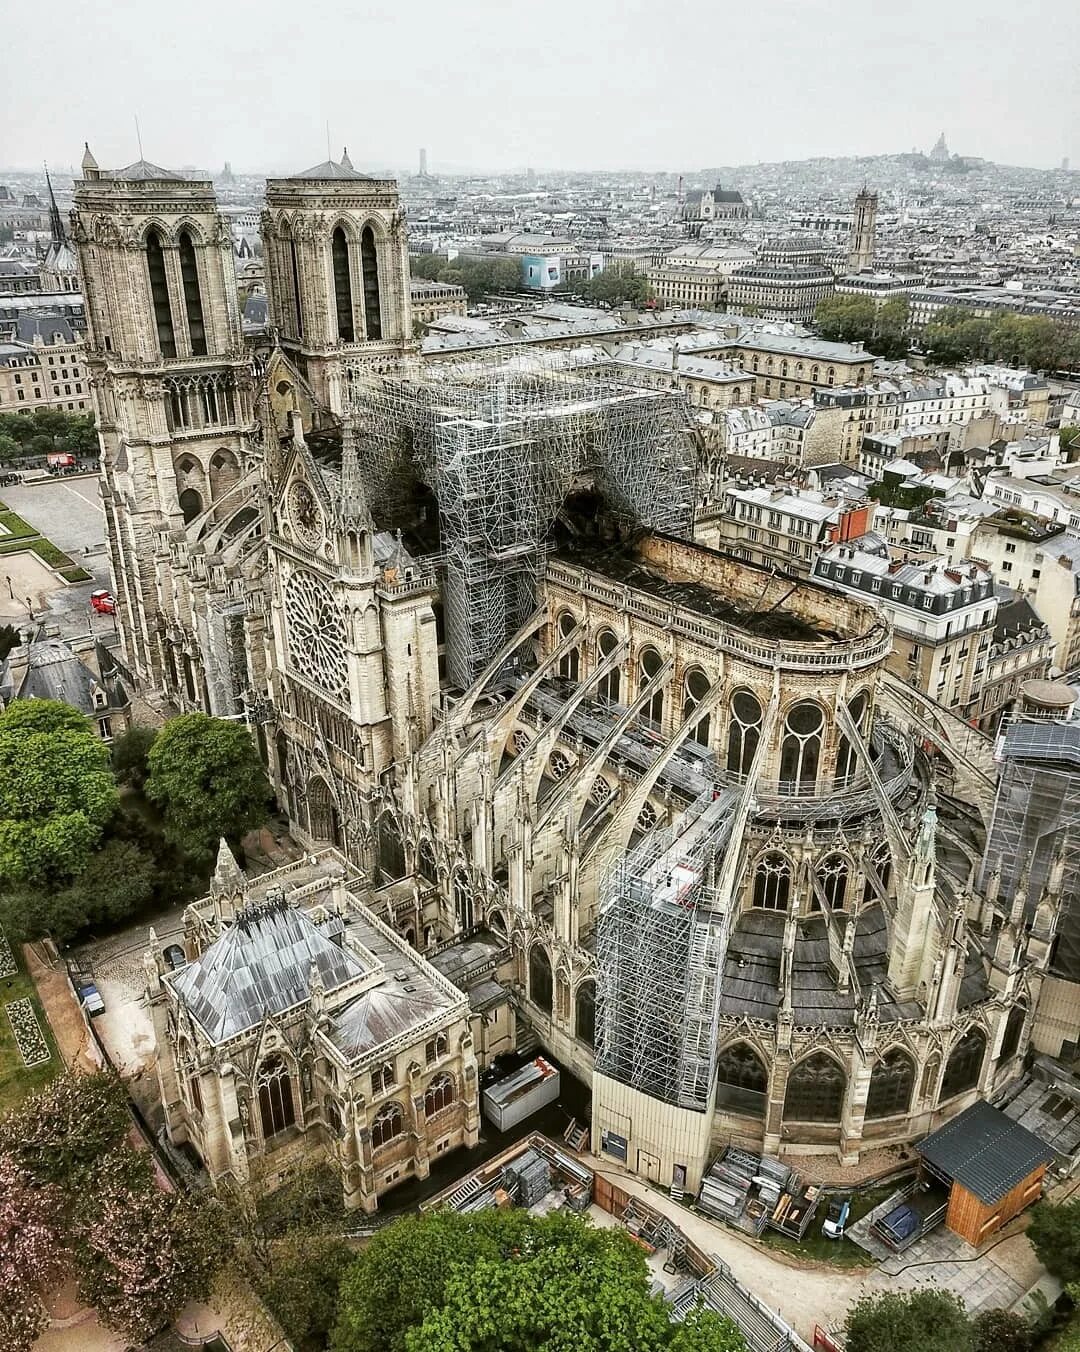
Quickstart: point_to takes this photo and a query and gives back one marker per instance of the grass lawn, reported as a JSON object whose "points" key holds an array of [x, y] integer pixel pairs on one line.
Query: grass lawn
{"points": [[15, 1080], [839, 1252]]}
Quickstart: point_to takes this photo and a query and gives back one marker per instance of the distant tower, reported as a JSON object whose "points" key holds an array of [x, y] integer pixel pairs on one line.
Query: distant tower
{"points": [[863, 227], [423, 163], [940, 150]]}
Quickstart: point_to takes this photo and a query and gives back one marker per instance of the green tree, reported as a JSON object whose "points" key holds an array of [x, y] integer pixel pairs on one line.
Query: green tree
{"points": [[909, 1321], [140, 1253], [847, 319], [31, 1250], [206, 776], [704, 1331], [58, 1134], [1068, 440], [300, 1285], [1054, 1232], [619, 284], [116, 882], [130, 756], [1002, 1331], [57, 792]]}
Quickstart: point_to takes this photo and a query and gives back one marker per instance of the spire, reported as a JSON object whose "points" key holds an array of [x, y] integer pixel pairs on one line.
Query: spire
{"points": [[353, 507], [89, 164], [228, 878], [56, 225], [346, 163]]}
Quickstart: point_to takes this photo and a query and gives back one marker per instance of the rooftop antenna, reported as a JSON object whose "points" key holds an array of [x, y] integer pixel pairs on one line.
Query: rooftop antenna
{"points": [[328, 155], [138, 137]]}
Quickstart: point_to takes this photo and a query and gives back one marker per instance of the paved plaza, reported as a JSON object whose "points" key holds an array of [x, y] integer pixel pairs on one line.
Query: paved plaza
{"points": [[66, 511]]}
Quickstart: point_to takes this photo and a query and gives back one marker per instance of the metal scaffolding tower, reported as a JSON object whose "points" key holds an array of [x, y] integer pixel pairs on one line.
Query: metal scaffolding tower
{"points": [[501, 444], [661, 939], [1036, 814]]}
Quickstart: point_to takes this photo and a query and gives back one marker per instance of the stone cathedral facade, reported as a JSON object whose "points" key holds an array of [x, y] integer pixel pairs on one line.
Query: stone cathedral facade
{"points": [[684, 831]]}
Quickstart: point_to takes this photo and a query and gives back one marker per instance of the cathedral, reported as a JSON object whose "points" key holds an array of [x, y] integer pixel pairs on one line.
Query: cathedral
{"points": [[596, 787]]}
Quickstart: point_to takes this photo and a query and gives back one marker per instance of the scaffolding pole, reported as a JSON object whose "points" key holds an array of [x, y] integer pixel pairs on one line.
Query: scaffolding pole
{"points": [[500, 444]]}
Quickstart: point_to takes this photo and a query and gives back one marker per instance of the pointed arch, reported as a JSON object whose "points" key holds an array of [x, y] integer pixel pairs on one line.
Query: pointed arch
{"points": [[650, 664], [277, 1112], [369, 268], [1014, 1027], [585, 1012], [964, 1065], [570, 662], [159, 293], [815, 1090], [342, 269], [696, 686], [800, 750], [387, 1124], [744, 731], [425, 861], [463, 901], [834, 875], [191, 504], [891, 1084], [324, 821], [541, 982], [438, 1095], [742, 1080], [772, 881], [391, 852], [189, 277], [224, 472], [607, 687]]}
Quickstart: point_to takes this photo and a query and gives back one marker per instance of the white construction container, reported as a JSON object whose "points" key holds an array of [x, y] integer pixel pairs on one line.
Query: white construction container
{"points": [[510, 1100]]}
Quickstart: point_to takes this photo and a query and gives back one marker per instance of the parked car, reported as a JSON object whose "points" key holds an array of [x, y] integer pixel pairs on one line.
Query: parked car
{"points": [[832, 1227], [103, 602], [90, 998], [175, 956]]}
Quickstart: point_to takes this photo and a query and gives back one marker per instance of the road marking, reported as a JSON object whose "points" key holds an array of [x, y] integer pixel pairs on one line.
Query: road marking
{"points": [[75, 492]]}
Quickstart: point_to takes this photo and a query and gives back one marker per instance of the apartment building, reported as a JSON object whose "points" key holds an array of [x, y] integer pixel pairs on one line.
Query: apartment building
{"points": [[943, 617], [1022, 649], [44, 367]]}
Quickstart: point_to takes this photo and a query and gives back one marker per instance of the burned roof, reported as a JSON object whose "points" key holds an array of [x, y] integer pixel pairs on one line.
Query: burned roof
{"points": [[985, 1152], [262, 964]]}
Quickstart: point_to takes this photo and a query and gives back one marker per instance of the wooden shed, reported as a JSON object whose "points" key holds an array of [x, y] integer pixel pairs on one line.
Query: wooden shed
{"points": [[992, 1166]]}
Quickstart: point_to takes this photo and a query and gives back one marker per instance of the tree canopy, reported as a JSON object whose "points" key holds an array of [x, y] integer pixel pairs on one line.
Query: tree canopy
{"points": [[504, 1280], [858, 319], [1034, 341], [909, 1321], [42, 430], [56, 792], [206, 776], [1054, 1232], [479, 276]]}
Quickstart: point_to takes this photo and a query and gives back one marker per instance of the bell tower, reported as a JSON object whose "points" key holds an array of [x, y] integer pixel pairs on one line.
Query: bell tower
{"points": [[337, 273], [172, 388], [863, 232]]}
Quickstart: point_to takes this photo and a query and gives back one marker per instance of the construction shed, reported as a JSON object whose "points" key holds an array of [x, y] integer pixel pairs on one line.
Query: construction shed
{"points": [[992, 1166]]}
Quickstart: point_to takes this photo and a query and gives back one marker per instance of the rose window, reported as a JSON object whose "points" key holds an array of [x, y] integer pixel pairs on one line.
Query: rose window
{"points": [[316, 633]]}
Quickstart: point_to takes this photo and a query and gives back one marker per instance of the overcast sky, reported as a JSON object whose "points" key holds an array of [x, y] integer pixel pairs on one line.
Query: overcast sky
{"points": [[574, 84]]}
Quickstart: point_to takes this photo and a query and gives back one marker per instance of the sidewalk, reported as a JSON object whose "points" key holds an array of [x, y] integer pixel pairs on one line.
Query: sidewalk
{"points": [[803, 1294]]}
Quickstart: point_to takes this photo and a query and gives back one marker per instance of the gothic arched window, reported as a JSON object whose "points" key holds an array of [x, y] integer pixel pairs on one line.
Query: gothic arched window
{"points": [[649, 665], [695, 688], [323, 816], [463, 904], [159, 294], [387, 1125], [607, 687], [585, 1013], [815, 1090], [382, 1079], [276, 1109], [800, 750], [438, 1095], [833, 874], [391, 850], [294, 277], [964, 1064], [191, 504], [189, 275], [426, 861], [369, 266], [847, 761], [1014, 1026], [339, 249], [540, 983], [742, 1080], [570, 662], [224, 472], [744, 732], [772, 882], [891, 1083], [881, 862]]}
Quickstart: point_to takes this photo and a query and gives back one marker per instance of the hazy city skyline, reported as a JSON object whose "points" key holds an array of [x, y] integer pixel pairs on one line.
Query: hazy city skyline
{"points": [[621, 87]]}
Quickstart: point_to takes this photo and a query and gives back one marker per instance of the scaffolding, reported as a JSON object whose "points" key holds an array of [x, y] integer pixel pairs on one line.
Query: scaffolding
{"points": [[1036, 814], [500, 444], [661, 941]]}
